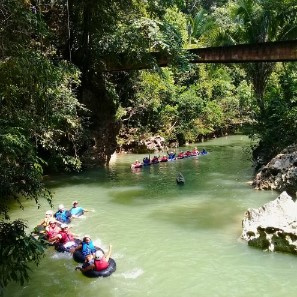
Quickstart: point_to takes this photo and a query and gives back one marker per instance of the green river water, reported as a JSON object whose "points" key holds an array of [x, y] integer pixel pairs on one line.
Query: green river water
{"points": [[168, 240]]}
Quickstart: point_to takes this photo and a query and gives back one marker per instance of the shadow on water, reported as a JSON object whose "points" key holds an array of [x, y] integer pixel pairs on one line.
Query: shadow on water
{"points": [[202, 215], [98, 177], [127, 196]]}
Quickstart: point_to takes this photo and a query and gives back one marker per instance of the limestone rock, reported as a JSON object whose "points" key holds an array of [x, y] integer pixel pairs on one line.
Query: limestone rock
{"points": [[280, 173], [130, 140], [154, 143], [273, 226]]}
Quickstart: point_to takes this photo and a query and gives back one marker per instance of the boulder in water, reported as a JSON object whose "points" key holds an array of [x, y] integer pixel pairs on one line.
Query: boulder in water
{"points": [[280, 173], [180, 180], [273, 226]]}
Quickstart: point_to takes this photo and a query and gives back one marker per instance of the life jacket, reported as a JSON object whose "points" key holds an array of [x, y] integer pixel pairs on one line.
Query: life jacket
{"points": [[63, 216], [100, 264], [146, 160], [87, 248], [66, 237], [52, 232], [171, 156]]}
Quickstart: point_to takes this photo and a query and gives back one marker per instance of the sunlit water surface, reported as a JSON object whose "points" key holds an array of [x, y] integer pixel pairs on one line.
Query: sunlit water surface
{"points": [[168, 240]]}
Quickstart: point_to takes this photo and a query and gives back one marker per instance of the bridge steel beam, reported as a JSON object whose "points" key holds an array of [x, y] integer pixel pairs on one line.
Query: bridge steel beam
{"points": [[243, 53], [280, 51]]}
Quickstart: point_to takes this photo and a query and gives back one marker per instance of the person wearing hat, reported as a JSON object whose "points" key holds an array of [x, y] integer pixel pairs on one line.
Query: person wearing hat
{"points": [[86, 247], [65, 239], [41, 228], [52, 230], [48, 216], [171, 155], [136, 164], [100, 261], [195, 152], [76, 210], [62, 215]]}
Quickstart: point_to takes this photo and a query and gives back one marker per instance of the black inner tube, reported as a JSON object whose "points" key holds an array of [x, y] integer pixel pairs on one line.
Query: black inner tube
{"points": [[102, 273], [80, 258]]}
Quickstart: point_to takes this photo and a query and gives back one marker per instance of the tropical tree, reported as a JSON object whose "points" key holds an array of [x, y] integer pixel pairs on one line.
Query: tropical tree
{"points": [[278, 129], [102, 34], [41, 119], [39, 127], [253, 21], [262, 21], [199, 26]]}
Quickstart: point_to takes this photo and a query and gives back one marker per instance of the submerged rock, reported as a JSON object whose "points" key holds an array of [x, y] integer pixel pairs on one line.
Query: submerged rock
{"points": [[273, 226], [180, 180]]}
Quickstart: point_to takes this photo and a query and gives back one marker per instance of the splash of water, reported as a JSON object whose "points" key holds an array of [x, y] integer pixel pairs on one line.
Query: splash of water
{"points": [[133, 274]]}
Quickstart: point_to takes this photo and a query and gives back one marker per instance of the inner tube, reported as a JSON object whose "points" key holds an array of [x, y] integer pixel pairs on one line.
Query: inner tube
{"points": [[39, 229], [39, 233], [80, 258], [136, 166], [102, 273], [59, 247]]}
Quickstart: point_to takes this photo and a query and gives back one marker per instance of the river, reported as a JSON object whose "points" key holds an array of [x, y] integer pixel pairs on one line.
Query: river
{"points": [[168, 240]]}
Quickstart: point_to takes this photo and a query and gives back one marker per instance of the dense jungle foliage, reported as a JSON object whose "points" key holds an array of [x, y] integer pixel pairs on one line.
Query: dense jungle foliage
{"points": [[60, 109]]}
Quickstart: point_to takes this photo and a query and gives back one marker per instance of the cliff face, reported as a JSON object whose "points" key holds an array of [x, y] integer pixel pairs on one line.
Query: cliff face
{"points": [[280, 173]]}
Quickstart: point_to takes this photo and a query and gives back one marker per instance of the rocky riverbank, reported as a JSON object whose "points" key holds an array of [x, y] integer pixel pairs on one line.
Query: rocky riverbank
{"points": [[280, 173]]}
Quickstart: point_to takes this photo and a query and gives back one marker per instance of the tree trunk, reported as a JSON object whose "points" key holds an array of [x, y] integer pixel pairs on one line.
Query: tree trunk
{"points": [[259, 74], [103, 127]]}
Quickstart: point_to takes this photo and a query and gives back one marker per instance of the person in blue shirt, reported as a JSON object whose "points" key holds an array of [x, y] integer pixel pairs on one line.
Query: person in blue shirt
{"points": [[171, 155], [76, 210], [62, 215], [203, 152], [146, 161], [86, 247]]}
